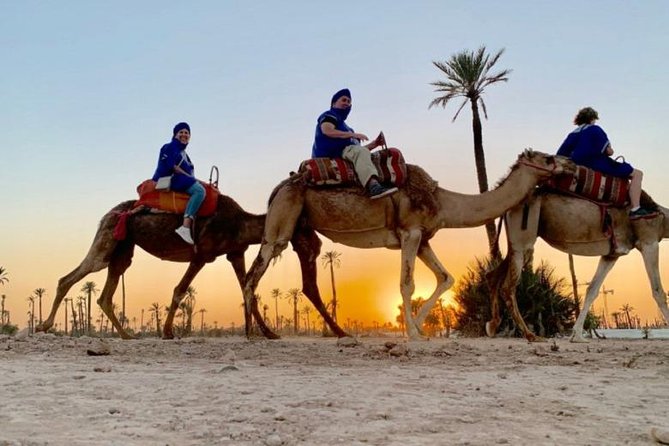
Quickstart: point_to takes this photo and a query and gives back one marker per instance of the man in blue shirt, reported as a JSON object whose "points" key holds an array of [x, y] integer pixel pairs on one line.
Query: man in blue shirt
{"points": [[335, 139], [589, 146]]}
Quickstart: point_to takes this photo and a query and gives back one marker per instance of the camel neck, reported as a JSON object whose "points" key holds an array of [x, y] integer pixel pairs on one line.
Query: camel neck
{"points": [[470, 210]]}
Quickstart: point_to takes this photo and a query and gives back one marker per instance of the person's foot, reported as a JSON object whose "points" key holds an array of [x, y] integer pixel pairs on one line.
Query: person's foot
{"points": [[642, 213], [378, 191], [184, 233]]}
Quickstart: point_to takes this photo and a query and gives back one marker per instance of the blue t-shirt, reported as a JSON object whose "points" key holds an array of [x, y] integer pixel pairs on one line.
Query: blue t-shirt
{"points": [[325, 146]]}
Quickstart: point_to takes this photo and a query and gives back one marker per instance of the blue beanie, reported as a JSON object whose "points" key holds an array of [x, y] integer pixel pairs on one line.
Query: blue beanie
{"points": [[180, 126], [339, 94]]}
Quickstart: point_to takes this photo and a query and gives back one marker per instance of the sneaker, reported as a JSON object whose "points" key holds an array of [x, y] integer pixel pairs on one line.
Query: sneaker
{"points": [[184, 233], [378, 191], [642, 213]]}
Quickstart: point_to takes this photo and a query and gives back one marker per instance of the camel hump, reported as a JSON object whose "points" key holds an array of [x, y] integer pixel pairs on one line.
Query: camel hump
{"points": [[420, 188]]}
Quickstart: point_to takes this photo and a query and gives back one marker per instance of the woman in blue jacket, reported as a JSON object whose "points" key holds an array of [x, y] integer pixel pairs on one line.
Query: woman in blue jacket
{"points": [[174, 162]]}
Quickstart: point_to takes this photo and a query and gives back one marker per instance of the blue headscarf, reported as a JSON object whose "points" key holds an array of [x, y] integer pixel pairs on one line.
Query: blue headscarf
{"points": [[341, 113], [180, 126]]}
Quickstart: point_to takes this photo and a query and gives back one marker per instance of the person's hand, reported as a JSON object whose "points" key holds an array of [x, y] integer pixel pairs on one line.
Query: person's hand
{"points": [[360, 136]]}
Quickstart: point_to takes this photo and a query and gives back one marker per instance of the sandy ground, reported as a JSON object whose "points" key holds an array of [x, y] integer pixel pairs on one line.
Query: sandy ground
{"points": [[316, 391]]}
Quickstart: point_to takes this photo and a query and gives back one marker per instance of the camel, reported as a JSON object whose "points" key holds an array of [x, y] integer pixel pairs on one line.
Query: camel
{"points": [[229, 231], [406, 220], [574, 225]]}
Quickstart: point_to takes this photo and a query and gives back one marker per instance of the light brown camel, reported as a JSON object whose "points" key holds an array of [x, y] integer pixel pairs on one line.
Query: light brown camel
{"points": [[229, 231], [406, 220], [574, 225]]}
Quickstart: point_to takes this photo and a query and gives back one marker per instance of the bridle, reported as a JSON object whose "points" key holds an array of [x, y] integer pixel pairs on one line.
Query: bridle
{"points": [[551, 162]]}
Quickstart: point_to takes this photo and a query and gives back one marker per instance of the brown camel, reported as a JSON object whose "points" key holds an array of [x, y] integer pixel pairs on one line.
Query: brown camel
{"points": [[406, 220], [574, 225], [229, 231]]}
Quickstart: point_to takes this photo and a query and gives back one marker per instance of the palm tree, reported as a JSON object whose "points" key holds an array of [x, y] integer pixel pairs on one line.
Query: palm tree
{"points": [[202, 311], [467, 76], [39, 292], [3, 276], [89, 289], [294, 294], [275, 294], [31, 321], [331, 259], [81, 307], [306, 310], [154, 309], [627, 309], [189, 306], [2, 311]]}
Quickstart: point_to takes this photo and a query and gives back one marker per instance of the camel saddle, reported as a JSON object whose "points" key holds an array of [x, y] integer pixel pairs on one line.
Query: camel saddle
{"points": [[594, 186], [339, 172], [175, 202]]}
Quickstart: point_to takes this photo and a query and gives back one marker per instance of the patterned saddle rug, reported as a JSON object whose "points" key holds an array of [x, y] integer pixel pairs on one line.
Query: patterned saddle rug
{"points": [[594, 186], [175, 202], [340, 172]]}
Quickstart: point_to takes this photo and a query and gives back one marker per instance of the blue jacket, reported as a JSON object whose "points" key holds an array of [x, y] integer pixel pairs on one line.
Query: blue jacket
{"points": [[587, 146], [174, 154]]}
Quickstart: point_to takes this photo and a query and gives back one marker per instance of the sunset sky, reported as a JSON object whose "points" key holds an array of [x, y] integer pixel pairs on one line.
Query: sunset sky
{"points": [[91, 90]]}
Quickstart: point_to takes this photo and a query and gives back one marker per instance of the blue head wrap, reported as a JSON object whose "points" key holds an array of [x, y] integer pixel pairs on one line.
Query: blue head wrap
{"points": [[180, 126], [342, 113]]}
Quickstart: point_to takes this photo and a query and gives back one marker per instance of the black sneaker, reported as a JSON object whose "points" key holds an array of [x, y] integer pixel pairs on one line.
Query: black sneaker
{"points": [[378, 191], [642, 213]]}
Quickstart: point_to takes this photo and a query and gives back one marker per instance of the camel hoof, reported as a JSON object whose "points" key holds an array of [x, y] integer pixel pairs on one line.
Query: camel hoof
{"points": [[579, 340], [489, 330], [168, 336], [272, 335], [660, 435], [534, 338]]}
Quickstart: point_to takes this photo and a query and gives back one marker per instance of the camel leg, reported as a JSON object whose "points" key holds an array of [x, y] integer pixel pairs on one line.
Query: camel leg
{"points": [[96, 259], [522, 227], [307, 245], [118, 264], [194, 267], [650, 254], [280, 223], [444, 280], [239, 266], [410, 244], [603, 267]]}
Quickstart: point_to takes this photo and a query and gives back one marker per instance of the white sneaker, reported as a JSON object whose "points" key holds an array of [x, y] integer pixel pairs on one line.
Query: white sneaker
{"points": [[184, 233]]}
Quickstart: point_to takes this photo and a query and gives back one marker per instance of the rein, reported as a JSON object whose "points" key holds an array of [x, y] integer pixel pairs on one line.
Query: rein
{"points": [[550, 170]]}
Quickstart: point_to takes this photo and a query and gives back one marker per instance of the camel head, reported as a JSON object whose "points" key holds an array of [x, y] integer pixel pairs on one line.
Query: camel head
{"points": [[547, 165]]}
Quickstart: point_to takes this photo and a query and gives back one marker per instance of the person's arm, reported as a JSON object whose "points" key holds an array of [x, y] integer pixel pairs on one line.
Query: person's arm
{"points": [[330, 131]]}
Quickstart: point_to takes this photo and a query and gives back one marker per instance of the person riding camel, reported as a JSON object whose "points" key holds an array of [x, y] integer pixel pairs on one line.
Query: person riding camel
{"points": [[589, 146], [335, 139]]}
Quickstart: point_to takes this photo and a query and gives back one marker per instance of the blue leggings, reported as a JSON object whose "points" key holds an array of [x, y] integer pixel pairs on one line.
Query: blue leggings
{"points": [[196, 192]]}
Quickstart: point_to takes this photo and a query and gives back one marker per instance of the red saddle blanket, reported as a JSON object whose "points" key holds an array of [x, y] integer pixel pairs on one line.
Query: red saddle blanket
{"points": [[337, 171], [175, 201], [593, 185]]}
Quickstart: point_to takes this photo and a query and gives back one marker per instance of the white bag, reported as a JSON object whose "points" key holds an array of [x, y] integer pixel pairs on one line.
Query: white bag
{"points": [[163, 183]]}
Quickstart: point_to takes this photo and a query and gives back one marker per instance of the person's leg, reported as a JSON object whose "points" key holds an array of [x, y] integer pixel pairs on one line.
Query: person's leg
{"points": [[366, 171], [197, 193], [635, 189]]}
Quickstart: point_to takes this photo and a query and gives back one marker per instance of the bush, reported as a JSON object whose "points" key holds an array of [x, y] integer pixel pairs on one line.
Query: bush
{"points": [[544, 306]]}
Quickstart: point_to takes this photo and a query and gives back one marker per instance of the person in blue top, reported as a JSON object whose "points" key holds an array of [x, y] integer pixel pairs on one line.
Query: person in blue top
{"points": [[335, 139], [589, 146], [174, 161]]}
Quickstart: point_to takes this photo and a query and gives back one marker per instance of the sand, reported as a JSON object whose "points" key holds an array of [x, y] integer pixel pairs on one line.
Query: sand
{"points": [[320, 391]]}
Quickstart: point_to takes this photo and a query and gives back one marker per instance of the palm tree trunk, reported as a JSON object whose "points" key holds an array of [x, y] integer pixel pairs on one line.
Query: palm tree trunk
{"points": [[334, 292], [482, 175], [574, 285], [88, 313]]}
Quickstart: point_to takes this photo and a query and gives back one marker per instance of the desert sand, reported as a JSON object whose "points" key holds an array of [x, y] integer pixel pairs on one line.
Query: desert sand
{"points": [[322, 391]]}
